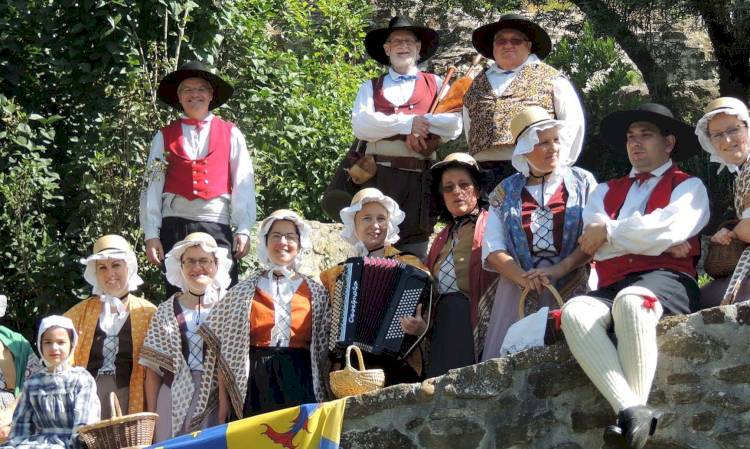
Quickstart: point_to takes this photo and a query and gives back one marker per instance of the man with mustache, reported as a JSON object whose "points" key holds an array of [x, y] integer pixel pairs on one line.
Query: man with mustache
{"points": [[391, 113], [200, 175], [643, 232], [518, 79]]}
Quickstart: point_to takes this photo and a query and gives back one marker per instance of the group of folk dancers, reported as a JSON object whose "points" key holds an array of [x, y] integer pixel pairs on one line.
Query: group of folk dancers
{"points": [[220, 349]]}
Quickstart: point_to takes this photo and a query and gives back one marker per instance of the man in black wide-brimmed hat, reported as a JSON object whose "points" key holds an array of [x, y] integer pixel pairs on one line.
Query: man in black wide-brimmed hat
{"points": [[643, 232], [516, 80], [199, 170], [391, 114]]}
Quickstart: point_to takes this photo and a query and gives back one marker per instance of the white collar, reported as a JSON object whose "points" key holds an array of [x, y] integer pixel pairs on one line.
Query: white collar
{"points": [[208, 118], [394, 74], [532, 59], [656, 172]]}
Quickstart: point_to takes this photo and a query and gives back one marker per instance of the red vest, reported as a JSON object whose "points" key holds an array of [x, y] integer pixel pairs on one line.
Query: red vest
{"points": [[204, 178], [425, 89], [617, 268]]}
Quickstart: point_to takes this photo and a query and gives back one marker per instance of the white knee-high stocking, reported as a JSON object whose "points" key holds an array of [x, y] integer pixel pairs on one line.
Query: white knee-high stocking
{"points": [[636, 313], [584, 322]]}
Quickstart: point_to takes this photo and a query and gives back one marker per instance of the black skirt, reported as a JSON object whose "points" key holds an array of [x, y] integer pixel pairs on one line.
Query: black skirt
{"points": [[452, 344], [279, 378]]}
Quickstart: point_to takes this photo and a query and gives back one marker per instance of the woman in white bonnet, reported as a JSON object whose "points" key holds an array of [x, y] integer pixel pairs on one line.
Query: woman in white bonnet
{"points": [[178, 386], [723, 133], [371, 227], [535, 220], [269, 335], [112, 324]]}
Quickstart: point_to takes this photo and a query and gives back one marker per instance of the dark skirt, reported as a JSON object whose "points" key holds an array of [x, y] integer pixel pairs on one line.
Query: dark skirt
{"points": [[452, 344], [279, 378]]}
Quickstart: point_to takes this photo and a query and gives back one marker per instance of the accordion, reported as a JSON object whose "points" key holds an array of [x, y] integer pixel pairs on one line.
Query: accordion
{"points": [[372, 294]]}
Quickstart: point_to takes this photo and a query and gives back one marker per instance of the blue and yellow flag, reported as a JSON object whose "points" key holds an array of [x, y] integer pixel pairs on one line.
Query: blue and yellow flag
{"points": [[308, 426]]}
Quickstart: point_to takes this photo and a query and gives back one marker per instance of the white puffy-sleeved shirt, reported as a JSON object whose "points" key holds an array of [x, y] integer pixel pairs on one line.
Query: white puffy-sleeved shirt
{"points": [[370, 126], [237, 209], [565, 100], [634, 232]]}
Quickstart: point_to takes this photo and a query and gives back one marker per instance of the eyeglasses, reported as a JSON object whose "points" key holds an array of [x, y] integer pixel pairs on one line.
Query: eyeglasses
{"points": [[204, 262], [515, 41], [276, 237], [197, 90], [731, 133], [399, 42], [450, 188]]}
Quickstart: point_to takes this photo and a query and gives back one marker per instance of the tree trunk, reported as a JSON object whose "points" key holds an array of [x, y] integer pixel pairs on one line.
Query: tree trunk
{"points": [[730, 45]]}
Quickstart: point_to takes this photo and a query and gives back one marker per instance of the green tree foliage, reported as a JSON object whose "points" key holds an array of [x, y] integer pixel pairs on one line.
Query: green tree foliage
{"points": [[297, 67], [78, 83]]}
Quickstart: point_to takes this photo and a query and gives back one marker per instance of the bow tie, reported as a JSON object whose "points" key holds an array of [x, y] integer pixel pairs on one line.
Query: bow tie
{"points": [[405, 78], [194, 122], [508, 72], [643, 177]]}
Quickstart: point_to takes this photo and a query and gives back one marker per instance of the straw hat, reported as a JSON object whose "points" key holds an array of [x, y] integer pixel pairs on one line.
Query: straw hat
{"points": [[111, 246], [524, 128]]}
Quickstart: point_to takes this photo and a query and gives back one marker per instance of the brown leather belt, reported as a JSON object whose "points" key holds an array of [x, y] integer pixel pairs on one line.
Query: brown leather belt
{"points": [[404, 163]]}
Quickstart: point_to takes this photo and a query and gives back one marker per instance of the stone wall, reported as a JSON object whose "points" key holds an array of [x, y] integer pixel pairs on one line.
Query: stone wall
{"points": [[541, 399]]}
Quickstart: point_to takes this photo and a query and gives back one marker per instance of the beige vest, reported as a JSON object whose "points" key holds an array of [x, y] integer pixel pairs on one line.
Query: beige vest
{"points": [[491, 115]]}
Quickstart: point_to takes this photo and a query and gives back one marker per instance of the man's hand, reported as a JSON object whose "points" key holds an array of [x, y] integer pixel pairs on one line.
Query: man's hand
{"points": [[679, 250], [416, 144], [154, 251], [420, 127], [723, 236], [593, 237], [240, 246]]}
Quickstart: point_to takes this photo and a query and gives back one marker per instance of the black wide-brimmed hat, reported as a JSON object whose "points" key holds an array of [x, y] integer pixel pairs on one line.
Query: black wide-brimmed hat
{"points": [[375, 39], [167, 91], [614, 128], [483, 36]]}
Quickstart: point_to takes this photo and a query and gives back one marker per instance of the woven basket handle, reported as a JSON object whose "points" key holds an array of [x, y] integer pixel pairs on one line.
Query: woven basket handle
{"points": [[114, 405], [360, 360], [525, 293]]}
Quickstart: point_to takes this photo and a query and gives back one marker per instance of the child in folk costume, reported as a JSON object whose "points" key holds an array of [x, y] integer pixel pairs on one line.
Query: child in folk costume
{"points": [[112, 324], [535, 220], [58, 400], [269, 335], [724, 133], [371, 226], [178, 387]]}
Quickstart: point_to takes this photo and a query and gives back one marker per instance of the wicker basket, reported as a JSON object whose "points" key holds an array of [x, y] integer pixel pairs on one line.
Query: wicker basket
{"points": [[136, 430], [350, 381], [552, 334], [721, 259]]}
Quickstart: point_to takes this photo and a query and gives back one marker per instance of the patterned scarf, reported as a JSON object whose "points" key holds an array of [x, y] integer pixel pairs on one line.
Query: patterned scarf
{"points": [[741, 202], [163, 349]]}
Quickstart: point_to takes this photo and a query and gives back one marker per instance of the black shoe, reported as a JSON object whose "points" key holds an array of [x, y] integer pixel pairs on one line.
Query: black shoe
{"points": [[614, 437], [637, 423]]}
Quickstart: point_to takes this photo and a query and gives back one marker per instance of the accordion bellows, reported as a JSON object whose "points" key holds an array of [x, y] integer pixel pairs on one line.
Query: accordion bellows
{"points": [[372, 294]]}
